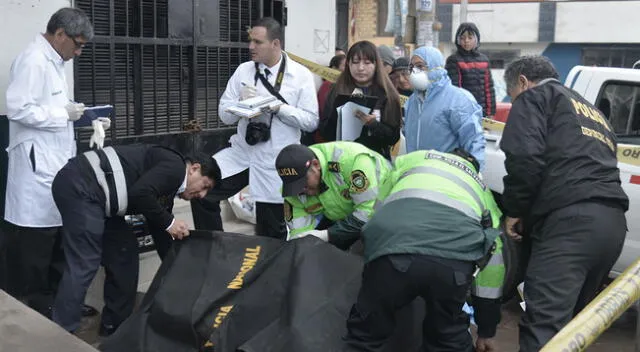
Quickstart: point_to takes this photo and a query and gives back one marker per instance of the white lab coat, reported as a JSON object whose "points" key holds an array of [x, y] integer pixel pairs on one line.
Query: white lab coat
{"points": [[39, 130], [298, 89]]}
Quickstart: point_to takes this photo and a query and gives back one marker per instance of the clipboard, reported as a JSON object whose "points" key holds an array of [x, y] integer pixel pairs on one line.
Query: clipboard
{"points": [[92, 113], [364, 100]]}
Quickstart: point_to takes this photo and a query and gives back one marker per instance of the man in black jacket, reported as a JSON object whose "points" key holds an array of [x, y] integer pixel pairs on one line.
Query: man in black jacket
{"points": [[562, 192], [470, 69], [105, 185]]}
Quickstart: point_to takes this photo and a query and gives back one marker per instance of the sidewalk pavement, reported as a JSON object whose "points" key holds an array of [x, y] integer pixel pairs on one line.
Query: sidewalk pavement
{"points": [[620, 337]]}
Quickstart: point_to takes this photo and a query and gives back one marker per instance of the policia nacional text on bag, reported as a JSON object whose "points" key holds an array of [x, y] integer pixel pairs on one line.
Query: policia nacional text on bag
{"points": [[259, 131]]}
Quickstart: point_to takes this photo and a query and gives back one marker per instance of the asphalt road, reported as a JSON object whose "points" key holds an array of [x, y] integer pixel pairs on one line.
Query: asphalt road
{"points": [[620, 337]]}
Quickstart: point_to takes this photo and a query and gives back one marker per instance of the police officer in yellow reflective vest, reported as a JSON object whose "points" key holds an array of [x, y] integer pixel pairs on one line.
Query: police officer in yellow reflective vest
{"points": [[434, 225], [338, 180]]}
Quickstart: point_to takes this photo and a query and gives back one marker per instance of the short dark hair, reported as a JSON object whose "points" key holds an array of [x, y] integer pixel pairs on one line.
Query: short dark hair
{"points": [[74, 22], [337, 60], [274, 29], [208, 166], [534, 67]]}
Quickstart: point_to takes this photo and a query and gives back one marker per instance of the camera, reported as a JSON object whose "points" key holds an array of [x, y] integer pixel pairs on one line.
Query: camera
{"points": [[257, 132]]}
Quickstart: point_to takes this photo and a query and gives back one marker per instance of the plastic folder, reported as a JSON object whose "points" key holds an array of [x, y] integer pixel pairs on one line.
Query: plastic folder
{"points": [[92, 113]]}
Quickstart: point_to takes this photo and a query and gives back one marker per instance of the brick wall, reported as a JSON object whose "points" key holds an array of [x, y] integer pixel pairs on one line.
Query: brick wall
{"points": [[366, 21]]}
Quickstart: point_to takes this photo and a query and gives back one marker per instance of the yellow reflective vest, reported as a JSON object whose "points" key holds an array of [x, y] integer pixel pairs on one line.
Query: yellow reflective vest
{"points": [[351, 175]]}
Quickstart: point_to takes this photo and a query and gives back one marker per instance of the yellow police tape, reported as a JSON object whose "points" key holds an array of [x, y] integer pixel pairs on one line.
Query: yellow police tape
{"points": [[627, 154], [327, 73], [598, 316]]}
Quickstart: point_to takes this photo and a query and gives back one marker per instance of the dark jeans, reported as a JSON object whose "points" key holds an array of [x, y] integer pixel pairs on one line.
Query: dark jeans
{"points": [[31, 264], [392, 282], [206, 212], [572, 252]]}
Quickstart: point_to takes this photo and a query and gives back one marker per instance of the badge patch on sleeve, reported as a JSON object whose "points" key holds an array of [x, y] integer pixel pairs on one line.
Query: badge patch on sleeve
{"points": [[288, 211], [359, 181]]}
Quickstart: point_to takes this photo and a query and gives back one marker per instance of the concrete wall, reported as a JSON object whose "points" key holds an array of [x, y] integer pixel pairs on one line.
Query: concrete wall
{"points": [[22, 20], [564, 57], [501, 23], [311, 29], [598, 22], [575, 21]]}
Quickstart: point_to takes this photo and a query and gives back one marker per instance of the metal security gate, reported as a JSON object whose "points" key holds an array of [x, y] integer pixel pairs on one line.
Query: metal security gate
{"points": [[164, 64]]}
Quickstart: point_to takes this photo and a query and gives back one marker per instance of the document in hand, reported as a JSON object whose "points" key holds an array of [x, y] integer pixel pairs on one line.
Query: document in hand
{"points": [[241, 111], [349, 127], [92, 113], [255, 102]]}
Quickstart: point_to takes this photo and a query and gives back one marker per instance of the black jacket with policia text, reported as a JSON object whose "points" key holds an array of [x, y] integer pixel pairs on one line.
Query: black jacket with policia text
{"points": [[560, 150]]}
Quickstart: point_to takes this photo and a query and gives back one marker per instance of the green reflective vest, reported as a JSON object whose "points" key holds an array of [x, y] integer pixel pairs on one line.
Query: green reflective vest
{"points": [[433, 204], [490, 281], [351, 174]]}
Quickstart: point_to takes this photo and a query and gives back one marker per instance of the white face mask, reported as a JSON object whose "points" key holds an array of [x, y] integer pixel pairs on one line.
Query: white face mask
{"points": [[420, 81]]}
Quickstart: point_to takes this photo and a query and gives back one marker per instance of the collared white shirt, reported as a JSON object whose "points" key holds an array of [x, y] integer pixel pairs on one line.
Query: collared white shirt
{"points": [[298, 89], [183, 186]]}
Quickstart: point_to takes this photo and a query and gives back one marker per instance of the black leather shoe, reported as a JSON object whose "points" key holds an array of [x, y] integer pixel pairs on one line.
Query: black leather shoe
{"points": [[89, 311], [107, 330]]}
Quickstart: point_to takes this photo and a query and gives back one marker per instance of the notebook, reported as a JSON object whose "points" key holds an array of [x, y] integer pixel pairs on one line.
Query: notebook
{"points": [[250, 113], [255, 102]]}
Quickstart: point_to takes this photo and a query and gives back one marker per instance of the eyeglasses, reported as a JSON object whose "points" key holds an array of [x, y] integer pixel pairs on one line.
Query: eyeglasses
{"points": [[417, 68], [79, 45]]}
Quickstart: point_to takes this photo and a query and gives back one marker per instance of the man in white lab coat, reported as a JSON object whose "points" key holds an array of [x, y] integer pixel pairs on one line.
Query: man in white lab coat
{"points": [[41, 141], [254, 148]]}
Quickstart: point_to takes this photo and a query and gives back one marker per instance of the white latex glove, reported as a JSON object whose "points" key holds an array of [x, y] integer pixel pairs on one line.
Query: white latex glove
{"points": [[247, 92], [98, 135], [75, 111], [105, 121], [321, 234]]}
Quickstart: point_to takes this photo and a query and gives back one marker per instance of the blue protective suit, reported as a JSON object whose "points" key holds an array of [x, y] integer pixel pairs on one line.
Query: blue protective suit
{"points": [[444, 117]]}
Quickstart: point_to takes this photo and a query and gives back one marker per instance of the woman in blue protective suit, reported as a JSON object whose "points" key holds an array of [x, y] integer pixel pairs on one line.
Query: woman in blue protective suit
{"points": [[439, 115]]}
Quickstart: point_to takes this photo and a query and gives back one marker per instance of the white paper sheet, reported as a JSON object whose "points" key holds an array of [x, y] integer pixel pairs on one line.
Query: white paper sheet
{"points": [[349, 126]]}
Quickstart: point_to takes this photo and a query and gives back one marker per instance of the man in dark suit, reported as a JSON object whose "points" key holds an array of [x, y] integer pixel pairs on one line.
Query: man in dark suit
{"points": [[102, 186]]}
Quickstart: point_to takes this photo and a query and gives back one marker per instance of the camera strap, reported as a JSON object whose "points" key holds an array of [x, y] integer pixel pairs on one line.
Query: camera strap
{"points": [[274, 90]]}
